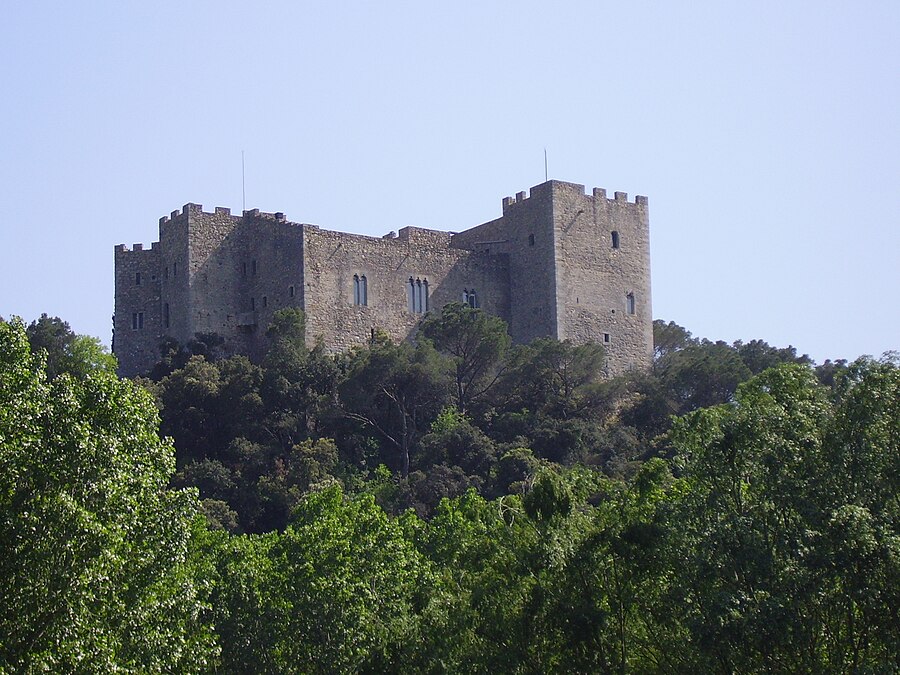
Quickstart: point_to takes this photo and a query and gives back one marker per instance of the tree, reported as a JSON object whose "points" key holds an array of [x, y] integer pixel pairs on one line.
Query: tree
{"points": [[396, 390], [670, 337], [476, 342], [93, 546], [67, 352]]}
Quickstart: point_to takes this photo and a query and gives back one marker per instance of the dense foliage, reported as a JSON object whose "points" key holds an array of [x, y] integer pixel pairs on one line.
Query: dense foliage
{"points": [[560, 521]]}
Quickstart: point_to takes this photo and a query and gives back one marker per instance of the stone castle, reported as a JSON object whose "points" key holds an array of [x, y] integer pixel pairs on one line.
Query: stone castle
{"points": [[558, 263]]}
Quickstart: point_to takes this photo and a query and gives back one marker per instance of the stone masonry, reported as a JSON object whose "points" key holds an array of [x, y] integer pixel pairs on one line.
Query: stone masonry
{"points": [[558, 263]]}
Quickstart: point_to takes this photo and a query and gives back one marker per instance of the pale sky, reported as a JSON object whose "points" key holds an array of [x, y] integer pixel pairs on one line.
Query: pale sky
{"points": [[765, 136]]}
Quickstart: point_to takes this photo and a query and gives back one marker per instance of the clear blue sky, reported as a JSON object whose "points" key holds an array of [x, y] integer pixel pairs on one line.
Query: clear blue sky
{"points": [[765, 135]]}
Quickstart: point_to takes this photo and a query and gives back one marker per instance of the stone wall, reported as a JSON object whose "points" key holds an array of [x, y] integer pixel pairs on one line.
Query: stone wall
{"points": [[137, 322], [596, 276], [333, 259]]}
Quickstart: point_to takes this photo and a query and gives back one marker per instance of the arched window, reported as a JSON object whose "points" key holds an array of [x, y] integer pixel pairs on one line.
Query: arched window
{"points": [[629, 303], [473, 299], [363, 291], [465, 296], [356, 290], [615, 239], [417, 295]]}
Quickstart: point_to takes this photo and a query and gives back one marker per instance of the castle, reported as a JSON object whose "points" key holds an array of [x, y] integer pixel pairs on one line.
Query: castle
{"points": [[558, 263]]}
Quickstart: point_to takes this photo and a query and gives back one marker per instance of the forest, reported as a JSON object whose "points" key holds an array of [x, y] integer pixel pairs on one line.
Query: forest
{"points": [[460, 504]]}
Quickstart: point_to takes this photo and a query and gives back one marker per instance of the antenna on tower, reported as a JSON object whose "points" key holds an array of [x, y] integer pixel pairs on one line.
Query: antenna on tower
{"points": [[243, 185], [546, 173]]}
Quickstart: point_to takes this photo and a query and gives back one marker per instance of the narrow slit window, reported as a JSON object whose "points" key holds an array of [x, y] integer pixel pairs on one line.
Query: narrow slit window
{"points": [[357, 292], [424, 295], [291, 291], [252, 304], [410, 295], [265, 301], [137, 278], [531, 240], [166, 315], [615, 239], [253, 268], [174, 269], [363, 291], [629, 303]]}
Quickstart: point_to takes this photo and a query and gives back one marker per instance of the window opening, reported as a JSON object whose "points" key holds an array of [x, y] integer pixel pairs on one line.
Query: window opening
{"points": [[417, 295], [252, 304], [473, 299], [137, 320], [360, 290], [291, 291], [253, 267], [615, 239], [265, 301], [244, 269], [166, 315], [137, 278], [630, 302], [166, 273], [606, 337], [531, 240], [174, 269]]}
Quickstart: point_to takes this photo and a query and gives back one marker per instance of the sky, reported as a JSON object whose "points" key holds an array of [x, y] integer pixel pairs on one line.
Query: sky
{"points": [[764, 134]]}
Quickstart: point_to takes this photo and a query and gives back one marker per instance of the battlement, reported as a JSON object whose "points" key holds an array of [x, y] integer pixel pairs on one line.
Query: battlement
{"points": [[136, 248], [546, 189], [256, 213]]}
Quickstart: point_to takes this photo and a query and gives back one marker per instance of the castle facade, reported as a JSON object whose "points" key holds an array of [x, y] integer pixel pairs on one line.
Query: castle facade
{"points": [[558, 263]]}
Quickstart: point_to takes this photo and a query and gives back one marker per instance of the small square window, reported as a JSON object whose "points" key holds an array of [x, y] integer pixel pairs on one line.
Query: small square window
{"points": [[606, 337]]}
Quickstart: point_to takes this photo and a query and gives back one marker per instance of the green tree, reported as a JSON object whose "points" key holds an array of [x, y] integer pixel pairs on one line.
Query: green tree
{"points": [[66, 351], [93, 546], [346, 581], [396, 390], [476, 343]]}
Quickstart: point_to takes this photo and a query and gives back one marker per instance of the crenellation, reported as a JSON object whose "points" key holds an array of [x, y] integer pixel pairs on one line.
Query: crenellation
{"points": [[558, 262]]}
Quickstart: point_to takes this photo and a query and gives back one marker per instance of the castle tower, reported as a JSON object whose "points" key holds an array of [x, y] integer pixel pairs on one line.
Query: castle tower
{"points": [[579, 268]]}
